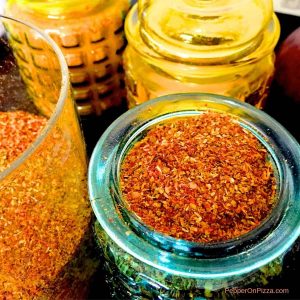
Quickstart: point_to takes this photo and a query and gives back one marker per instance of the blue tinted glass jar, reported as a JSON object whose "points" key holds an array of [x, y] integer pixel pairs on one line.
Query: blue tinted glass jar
{"points": [[146, 264]]}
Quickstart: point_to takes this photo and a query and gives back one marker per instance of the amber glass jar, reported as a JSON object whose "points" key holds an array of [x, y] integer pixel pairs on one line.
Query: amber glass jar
{"points": [[216, 46], [90, 34]]}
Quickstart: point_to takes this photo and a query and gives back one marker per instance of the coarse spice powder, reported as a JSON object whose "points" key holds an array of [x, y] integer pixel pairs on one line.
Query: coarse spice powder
{"points": [[44, 213], [17, 131], [200, 178]]}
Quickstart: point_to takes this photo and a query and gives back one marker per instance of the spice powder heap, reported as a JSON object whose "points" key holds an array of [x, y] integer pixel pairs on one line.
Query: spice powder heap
{"points": [[44, 213], [17, 131], [200, 178]]}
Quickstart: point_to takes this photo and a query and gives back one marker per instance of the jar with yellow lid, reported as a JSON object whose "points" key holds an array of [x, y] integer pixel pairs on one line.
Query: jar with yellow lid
{"points": [[90, 34], [218, 46]]}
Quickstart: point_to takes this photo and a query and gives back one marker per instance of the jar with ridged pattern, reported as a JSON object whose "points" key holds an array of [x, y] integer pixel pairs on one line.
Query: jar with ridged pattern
{"points": [[90, 35], [214, 46]]}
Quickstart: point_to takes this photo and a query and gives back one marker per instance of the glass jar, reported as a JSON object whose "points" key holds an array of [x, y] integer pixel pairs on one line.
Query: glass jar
{"points": [[216, 46], [90, 35], [45, 217], [144, 264]]}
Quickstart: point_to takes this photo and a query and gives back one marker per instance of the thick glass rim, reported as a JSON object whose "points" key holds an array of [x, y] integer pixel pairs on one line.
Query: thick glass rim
{"points": [[270, 247], [60, 103], [211, 249], [132, 22]]}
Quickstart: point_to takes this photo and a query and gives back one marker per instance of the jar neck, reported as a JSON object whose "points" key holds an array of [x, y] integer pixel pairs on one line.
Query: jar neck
{"points": [[59, 8], [203, 29]]}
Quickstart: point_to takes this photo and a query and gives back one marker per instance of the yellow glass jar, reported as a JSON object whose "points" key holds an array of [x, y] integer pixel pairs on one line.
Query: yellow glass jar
{"points": [[90, 34], [218, 46]]}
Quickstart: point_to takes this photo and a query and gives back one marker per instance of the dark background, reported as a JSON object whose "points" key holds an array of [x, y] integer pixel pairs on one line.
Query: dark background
{"points": [[279, 106]]}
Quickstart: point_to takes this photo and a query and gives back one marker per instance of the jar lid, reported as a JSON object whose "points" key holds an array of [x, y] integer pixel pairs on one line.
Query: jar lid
{"points": [[203, 29]]}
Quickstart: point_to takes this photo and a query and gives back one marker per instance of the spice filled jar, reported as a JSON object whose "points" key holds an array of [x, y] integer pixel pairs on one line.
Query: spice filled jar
{"points": [[220, 47], [194, 194], [90, 35], [46, 250]]}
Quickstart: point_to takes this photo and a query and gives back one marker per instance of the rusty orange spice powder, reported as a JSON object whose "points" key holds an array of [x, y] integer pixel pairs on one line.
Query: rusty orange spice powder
{"points": [[44, 219], [201, 178], [18, 130]]}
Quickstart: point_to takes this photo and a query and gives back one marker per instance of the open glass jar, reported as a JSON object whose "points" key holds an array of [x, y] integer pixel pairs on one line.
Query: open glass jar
{"points": [[220, 47], [146, 264], [90, 35], [45, 216]]}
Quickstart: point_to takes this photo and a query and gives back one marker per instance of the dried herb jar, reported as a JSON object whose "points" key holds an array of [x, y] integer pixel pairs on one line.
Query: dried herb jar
{"points": [[90, 35], [45, 216], [143, 263], [200, 46]]}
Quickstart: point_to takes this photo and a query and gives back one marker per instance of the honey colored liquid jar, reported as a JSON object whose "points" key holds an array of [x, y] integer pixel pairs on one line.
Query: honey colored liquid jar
{"points": [[90, 35], [215, 46]]}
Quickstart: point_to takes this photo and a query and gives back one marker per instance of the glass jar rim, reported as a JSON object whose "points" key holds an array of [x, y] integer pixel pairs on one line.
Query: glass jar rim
{"points": [[210, 249], [60, 103], [135, 40], [108, 215]]}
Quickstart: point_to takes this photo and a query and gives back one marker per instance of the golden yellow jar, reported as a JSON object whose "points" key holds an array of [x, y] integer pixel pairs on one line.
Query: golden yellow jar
{"points": [[217, 46], [90, 35]]}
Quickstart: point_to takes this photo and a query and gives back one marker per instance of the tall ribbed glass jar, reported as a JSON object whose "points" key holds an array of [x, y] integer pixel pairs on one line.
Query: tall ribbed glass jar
{"points": [[90, 34], [45, 216], [143, 263], [215, 46]]}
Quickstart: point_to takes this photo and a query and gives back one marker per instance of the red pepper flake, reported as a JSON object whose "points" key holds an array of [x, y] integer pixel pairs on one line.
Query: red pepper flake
{"points": [[17, 131], [44, 214], [218, 182]]}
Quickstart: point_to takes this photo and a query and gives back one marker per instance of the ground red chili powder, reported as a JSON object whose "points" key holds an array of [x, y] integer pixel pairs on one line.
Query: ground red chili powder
{"points": [[45, 216], [201, 178], [17, 131]]}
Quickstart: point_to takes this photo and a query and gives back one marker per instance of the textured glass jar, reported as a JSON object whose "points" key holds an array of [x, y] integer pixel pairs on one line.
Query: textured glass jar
{"points": [[90, 34], [215, 46], [144, 264], [45, 216]]}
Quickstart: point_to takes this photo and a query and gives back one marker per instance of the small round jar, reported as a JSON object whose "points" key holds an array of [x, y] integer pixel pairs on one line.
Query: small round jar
{"points": [[90, 35], [146, 263], [211, 46]]}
